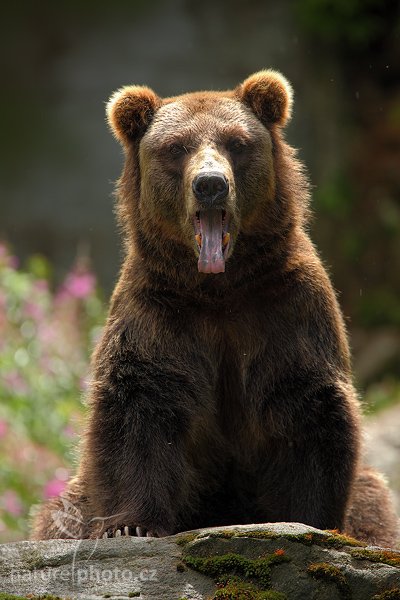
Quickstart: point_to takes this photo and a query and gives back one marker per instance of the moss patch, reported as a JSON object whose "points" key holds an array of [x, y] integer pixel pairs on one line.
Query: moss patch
{"points": [[186, 539], [239, 590], [239, 578], [228, 535], [382, 556], [330, 573], [338, 540], [332, 539]]}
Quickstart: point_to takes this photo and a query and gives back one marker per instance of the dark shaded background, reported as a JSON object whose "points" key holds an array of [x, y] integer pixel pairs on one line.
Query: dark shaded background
{"points": [[58, 161]]}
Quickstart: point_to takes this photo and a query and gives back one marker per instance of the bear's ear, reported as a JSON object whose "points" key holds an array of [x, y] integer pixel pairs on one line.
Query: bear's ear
{"points": [[130, 111], [269, 95]]}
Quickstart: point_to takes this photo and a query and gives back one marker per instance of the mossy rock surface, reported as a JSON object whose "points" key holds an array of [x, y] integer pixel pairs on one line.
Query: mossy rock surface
{"points": [[280, 561]]}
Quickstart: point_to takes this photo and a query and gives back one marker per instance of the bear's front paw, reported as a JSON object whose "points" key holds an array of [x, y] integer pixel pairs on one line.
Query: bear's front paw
{"points": [[127, 531], [119, 531]]}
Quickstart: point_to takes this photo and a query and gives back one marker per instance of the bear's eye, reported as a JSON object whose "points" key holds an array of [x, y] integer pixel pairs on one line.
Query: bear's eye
{"points": [[177, 150], [236, 146]]}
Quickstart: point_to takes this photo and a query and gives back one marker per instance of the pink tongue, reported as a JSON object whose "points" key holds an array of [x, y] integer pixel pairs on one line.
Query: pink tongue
{"points": [[211, 258]]}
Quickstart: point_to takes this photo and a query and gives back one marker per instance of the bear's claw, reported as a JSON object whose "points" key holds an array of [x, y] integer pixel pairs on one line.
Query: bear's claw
{"points": [[125, 531]]}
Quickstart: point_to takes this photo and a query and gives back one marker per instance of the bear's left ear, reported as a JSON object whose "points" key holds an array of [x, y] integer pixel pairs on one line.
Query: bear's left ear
{"points": [[269, 95], [130, 111]]}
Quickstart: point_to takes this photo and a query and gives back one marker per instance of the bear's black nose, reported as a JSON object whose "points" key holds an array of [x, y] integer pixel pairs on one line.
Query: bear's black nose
{"points": [[210, 187]]}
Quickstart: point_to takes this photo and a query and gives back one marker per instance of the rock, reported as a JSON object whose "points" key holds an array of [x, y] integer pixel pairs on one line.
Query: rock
{"points": [[274, 561]]}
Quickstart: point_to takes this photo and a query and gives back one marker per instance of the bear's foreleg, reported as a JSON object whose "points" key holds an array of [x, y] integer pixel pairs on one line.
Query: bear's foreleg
{"points": [[314, 462], [136, 461]]}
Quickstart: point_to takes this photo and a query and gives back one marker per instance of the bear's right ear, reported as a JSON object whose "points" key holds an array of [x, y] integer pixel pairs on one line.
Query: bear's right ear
{"points": [[130, 111]]}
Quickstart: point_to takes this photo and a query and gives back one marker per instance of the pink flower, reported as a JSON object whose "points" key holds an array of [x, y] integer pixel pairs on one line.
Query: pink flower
{"points": [[53, 488], [41, 285], [11, 503], [6, 259], [34, 310], [3, 428], [13, 262], [15, 382], [80, 284], [47, 333]]}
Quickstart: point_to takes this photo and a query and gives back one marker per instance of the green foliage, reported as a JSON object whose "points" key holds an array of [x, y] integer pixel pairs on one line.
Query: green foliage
{"points": [[334, 198], [356, 23], [380, 307], [381, 395], [45, 340], [346, 231]]}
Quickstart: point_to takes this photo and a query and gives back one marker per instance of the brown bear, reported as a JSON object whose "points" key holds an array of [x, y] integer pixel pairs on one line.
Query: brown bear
{"points": [[222, 390]]}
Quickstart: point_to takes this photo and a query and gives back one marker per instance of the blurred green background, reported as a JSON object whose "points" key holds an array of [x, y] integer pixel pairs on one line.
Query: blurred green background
{"points": [[60, 253]]}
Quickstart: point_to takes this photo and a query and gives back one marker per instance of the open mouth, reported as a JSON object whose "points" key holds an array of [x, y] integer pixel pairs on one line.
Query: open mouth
{"points": [[212, 239]]}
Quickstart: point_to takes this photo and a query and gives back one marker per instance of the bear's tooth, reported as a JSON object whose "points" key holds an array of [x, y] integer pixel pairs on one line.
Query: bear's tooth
{"points": [[225, 239], [198, 239]]}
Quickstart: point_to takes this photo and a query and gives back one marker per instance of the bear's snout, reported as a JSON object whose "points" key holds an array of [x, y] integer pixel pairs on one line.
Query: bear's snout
{"points": [[209, 188]]}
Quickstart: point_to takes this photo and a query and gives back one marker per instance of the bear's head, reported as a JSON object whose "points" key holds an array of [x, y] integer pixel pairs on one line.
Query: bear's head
{"points": [[201, 167]]}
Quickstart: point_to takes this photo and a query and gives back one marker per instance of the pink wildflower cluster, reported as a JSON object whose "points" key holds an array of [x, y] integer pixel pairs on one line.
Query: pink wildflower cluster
{"points": [[56, 485], [10, 503], [3, 428], [45, 342], [80, 284]]}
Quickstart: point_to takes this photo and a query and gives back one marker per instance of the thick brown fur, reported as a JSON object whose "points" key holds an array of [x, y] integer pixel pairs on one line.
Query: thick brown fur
{"points": [[371, 516], [219, 399]]}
